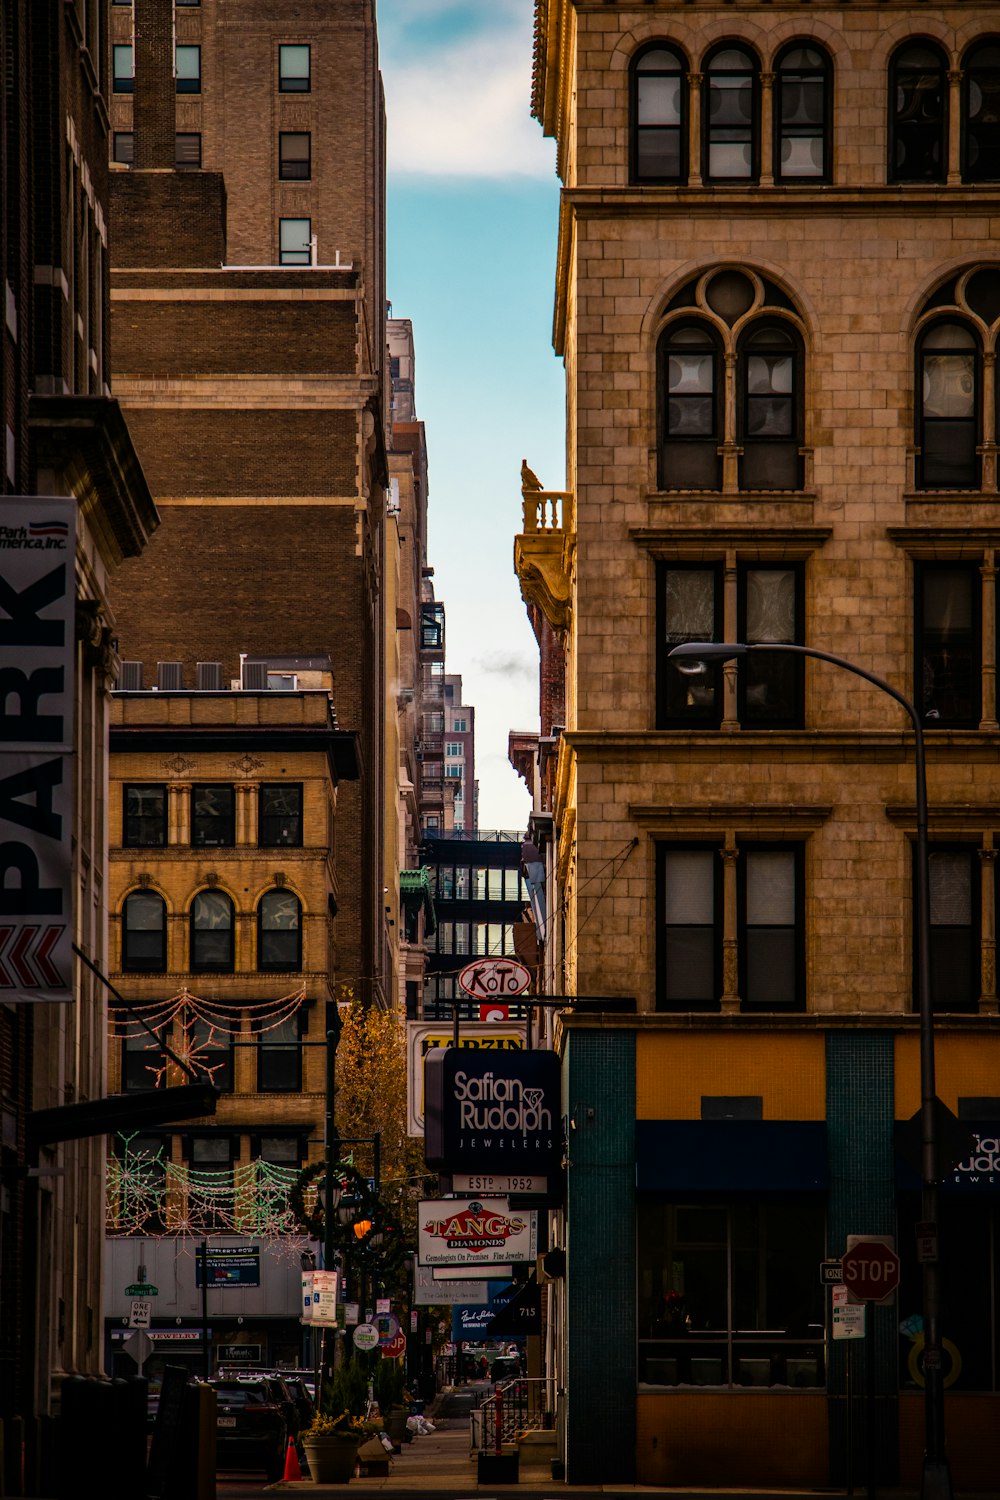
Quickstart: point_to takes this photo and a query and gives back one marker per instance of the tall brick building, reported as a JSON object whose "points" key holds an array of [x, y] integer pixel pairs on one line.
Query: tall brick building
{"points": [[777, 297], [64, 436], [248, 304]]}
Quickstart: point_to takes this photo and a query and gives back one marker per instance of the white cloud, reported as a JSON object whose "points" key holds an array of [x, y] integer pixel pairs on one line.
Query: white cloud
{"points": [[462, 109]]}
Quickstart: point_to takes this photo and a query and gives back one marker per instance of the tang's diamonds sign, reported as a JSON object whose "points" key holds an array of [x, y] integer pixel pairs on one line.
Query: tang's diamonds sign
{"points": [[37, 654], [475, 1231]]}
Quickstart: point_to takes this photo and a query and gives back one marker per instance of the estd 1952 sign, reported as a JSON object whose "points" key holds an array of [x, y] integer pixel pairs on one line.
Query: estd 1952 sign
{"points": [[494, 978]]}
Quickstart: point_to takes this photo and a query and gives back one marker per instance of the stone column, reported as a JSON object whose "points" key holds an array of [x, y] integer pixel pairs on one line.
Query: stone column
{"points": [[246, 814], [954, 121], [179, 812], [730, 942], [989, 449], [988, 1005], [728, 448], [695, 81], [767, 130], [730, 715], [988, 572]]}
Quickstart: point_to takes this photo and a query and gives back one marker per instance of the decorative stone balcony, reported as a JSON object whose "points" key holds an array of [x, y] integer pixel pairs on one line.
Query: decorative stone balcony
{"points": [[544, 554]]}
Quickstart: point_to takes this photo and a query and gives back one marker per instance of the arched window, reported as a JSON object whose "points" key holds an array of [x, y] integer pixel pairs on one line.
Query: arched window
{"points": [[802, 114], [770, 409], [212, 949], [981, 113], [144, 933], [690, 384], [279, 932], [731, 116], [948, 407], [659, 116], [918, 112]]}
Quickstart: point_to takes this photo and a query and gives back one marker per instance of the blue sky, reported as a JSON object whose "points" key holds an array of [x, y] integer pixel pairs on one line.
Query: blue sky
{"points": [[472, 213]]}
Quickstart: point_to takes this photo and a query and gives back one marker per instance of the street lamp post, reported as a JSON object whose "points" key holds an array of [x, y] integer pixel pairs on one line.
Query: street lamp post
{"points": [[692, 657]]}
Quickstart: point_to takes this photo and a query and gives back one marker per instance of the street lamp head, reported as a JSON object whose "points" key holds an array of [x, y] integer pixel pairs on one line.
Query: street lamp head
{"points": [[693, 658]]}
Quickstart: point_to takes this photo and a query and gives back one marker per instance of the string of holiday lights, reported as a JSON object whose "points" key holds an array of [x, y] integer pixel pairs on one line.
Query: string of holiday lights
{"points": [[149, 1195], [206, 1027]]}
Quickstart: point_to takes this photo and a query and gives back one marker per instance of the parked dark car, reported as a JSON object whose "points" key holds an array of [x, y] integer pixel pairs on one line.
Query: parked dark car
{"points": [[251, 1426], [505, 1367], [299, 1393]]}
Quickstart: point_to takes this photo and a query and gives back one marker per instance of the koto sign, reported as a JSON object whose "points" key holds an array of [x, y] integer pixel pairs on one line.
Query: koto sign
{"points": [[37, 651], [474, 1231], [494, 978]]}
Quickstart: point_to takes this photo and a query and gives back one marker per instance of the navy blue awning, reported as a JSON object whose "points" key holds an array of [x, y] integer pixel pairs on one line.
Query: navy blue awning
{"points": [[749, 1156]]}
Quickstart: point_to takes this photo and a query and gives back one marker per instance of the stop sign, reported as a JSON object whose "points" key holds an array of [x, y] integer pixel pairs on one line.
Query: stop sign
{"points": [[870, 1269]]}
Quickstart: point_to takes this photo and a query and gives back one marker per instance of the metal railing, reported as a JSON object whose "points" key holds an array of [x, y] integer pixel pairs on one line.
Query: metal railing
{"points": [[515, 1406]]}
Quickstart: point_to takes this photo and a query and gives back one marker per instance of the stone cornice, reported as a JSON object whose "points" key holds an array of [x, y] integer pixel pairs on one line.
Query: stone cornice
{"points": [[786, 745], [786, 541], [778, 820]]}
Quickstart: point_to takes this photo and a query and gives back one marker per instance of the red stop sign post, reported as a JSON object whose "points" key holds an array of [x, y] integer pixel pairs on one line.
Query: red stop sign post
{"points": [[870, 1269]]}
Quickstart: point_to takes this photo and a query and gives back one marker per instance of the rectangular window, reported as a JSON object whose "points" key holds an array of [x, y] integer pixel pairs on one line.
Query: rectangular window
{"points": [[948, 667], [123, 147], [433, 723], [770, 609], [513, 886], [123, 70], [690, 604], [294, 242], [211, 1159], [211, 1048], [145, 808], [453, 747], [723, 1299], [769, 603], [445, 937], [187, 69], [446, 883], [461, 937], [953, 887], [294, 69], [459, 726], [213, 816], [770, 912], [143, 1061], [494, 885], [454, 772], [692, 928], [480, 875], [294, 155], [461, 883], [279, 1057], [187, 148], [280, 815]]}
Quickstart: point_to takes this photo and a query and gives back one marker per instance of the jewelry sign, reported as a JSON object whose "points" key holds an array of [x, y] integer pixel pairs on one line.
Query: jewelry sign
{"points": [[475, 1231], [37, 651]]}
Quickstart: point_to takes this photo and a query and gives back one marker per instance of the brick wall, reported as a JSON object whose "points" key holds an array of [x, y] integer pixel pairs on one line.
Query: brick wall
{"points": [[168, 219], [246, 452], [162, 338]]}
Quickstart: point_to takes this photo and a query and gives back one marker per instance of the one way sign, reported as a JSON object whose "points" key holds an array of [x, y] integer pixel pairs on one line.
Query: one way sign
{"points": [[139, 1313]]}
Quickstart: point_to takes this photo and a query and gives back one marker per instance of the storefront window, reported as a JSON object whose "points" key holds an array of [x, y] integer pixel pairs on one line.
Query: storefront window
{"points": [[729, 1294]]}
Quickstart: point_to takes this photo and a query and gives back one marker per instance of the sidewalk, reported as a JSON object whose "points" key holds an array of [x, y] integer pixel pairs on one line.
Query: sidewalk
{"points": [[442, 1464]]}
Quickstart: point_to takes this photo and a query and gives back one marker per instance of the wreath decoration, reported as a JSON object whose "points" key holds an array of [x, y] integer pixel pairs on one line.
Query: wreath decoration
{"points": [[313, 1218]]}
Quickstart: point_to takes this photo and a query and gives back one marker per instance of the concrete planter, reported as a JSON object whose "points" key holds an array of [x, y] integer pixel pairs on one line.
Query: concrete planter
{"points": [[332, 1458]]}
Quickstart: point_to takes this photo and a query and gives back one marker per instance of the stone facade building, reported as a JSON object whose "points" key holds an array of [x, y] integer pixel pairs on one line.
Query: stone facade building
{"points": [[777, 298], [223, 818]]}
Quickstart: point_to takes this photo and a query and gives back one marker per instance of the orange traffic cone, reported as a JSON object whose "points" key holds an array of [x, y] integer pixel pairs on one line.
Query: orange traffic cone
{"points": [[292, 1469]]}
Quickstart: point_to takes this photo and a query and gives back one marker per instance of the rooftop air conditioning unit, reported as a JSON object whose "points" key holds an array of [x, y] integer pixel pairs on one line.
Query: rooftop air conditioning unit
{"points": [[255, 676], [170, 676], [209, 677], [130, 677]]}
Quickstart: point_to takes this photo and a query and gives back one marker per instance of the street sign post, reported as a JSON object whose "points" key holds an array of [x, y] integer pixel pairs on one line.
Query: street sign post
{"points": [[139, 1346], [848, 1320], [140, 1312], [870, 1268], [142, 1289], [365, 1337], [830, 1273]]}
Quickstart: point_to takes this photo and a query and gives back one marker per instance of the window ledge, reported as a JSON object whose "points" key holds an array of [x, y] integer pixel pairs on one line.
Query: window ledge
{"points": [[783, 533]]}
